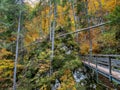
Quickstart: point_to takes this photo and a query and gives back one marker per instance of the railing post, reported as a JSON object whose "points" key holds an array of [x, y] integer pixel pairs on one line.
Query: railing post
{"points": [[110, 69], [96, 62], [84, 57], [96, 69]]}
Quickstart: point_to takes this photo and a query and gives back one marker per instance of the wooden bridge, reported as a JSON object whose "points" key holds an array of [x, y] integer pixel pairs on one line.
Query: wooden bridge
{"points": [[106, 65]]}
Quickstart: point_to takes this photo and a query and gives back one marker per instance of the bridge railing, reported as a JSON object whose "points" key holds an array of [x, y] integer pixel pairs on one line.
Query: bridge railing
{"points": [[111, 62]]}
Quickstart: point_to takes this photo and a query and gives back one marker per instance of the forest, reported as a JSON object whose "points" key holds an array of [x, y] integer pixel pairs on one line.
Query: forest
{"points": [[42, 42]]}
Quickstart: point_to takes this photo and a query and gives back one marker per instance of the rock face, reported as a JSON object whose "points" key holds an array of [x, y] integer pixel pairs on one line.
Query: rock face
{"points": [[78, 76], [57, 84]]}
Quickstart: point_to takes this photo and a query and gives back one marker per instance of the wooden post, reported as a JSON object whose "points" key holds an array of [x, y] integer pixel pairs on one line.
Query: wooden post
{"points": [[110, 69]]}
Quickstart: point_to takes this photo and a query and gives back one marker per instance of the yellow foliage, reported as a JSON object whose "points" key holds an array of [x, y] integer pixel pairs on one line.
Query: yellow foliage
{"points": [[109, 5], [44, 87], [44, 67], [93, 5], [42, 22], [95, 47], [105, 5], [4, 52], [84, 48], [67, 81], [61, 20], [6, 71]]}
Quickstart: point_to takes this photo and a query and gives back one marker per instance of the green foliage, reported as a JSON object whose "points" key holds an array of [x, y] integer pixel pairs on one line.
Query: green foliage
{"points": [[80, 7], [65, 53], [36, 58], [8, 9], [72, 65], [108, 41], [115, 16], [113, 36]]}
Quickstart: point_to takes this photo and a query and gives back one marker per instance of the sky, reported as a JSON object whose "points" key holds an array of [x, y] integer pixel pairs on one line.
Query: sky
{"points": [[32, 2]]}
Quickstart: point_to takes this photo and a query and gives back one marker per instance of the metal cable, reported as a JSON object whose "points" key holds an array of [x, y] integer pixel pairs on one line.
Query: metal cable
{"points": [[53, 32], [74, 18], [84, 29], [17, 45]]}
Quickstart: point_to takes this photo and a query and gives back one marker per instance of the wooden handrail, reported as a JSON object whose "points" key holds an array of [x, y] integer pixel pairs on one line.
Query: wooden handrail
{"points": [[104, 60], [107, 64], [103, 55]]}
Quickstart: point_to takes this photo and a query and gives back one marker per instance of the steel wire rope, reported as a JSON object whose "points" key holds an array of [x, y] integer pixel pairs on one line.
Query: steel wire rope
{"points": [[50, 31], [74, 15], [17, 50], [84, 29], [52, 36], [50, 13], [78, 30]]}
